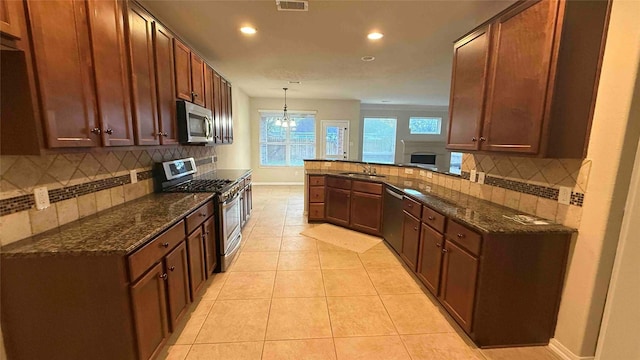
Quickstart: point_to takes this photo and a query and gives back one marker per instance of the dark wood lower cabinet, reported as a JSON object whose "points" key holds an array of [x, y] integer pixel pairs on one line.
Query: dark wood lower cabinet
{"points": [[195, 247], [150, 311], [457, 293], [338, 206], [410, 240], [177, 270], [210, 244], [430, 258], [366, 212]]}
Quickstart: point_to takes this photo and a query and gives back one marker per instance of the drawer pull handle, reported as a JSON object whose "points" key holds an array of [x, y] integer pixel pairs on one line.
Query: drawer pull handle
{"points": [[163, 276], [203, 214], [172, 268], [165, 244], [431, 218], [460, 236]]}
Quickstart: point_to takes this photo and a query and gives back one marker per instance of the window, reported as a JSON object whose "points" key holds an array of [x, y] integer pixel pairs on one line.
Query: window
{"points": [[379, 140], [425, 126], [284, 146], [455, 166]]}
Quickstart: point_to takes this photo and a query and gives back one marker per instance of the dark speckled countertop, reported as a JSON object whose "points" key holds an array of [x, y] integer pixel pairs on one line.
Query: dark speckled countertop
{"points": [[119, 230], [481, 215]]}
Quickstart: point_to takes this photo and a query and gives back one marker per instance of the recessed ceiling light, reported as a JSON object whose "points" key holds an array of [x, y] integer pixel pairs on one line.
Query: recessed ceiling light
{"points": [[368, 58], [375, 36], [248, 30], [385, 101], [295, 82]]}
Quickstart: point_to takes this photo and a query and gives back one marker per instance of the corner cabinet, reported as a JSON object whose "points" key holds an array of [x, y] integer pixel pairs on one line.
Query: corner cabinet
{"points": [[514, 79]]}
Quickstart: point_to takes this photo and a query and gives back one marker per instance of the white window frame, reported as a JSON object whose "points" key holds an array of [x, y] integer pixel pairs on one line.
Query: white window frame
{"points": [[287, 143], [426, 117]]}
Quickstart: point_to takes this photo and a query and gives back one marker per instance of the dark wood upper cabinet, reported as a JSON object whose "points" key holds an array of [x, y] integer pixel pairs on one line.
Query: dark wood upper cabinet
{"points": [[163, 54], [410, 240], [338, 205], [62, 53], [229, 114], [150, 311], [9, 10], [470, 62], [430, 258], [458, 288], [177, 270], [182, 59], [208, 88], [537, 94], [197, 79], [224, 110], [366, 212], [217, 107], [143, 76], [111, 72]]}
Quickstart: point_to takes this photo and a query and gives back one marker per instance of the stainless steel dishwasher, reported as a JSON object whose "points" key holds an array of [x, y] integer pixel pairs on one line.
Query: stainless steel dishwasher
{"points": [[392, 218]]}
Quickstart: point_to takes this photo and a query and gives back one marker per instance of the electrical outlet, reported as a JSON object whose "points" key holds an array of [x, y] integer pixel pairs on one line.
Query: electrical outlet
{"points": [[408, 171], [214, 159], [472, 176], [41, 196], [429, 175], [564, 196], [134, 176], [481, 178]]}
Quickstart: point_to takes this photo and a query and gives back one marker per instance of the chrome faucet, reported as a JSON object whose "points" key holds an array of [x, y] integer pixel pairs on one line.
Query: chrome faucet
{"points": [[368, 169]]}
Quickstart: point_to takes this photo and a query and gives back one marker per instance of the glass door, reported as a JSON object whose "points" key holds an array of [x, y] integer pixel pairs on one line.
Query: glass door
{"points": [[335, 139]]}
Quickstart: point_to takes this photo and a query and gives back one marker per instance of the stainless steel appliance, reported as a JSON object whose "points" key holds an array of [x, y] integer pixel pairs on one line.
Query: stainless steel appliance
{"points": [[178, 176], [195, 123], [392, 218]]}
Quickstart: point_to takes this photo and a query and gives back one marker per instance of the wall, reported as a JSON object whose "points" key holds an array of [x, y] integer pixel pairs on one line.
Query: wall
{"points": [[403, 113], [614, 137], [326, 110], [238, 154]]}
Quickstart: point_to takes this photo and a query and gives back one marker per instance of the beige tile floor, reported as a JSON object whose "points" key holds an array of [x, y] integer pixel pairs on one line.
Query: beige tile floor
{"points": [[292, 297]]}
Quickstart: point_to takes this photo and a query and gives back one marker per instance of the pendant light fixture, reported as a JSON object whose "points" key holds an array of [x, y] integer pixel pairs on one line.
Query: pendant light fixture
{"points": [[286, 121]]}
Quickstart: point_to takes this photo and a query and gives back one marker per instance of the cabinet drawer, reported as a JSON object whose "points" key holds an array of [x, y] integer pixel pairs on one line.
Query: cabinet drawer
{"points": [[316, 180], [247, 180], [433, 219], [154, 250], [339, 183], [468, 239], [316, 194], [197, 217], [367, 187], [316, 211], [412, 207]]}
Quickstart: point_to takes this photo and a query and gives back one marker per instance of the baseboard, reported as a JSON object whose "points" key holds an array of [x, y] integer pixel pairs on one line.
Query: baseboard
{"points": [[278, 183], [565, 354]]}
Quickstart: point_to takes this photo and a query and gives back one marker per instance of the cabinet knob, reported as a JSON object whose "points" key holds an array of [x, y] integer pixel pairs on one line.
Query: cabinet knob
{"points": [[460, 236], [96, 131], [159, 134], [163, 276], [483, 139], [415, 228], [165, 244], [108, 131], [438, 245], [445, 251], [431, 218], [409, 205], [203, 214], [165, 134], [194, 94], [172, 268], [474, 139]]}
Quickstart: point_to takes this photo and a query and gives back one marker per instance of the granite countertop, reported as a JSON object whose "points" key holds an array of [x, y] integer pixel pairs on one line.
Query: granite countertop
{"points": [[481, 215]]}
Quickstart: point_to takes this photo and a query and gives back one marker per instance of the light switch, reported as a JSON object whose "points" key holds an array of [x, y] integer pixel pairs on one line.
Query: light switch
{"points": [[472, 176], [41, 196], [481, 178], [564, 196], [134, 176]]}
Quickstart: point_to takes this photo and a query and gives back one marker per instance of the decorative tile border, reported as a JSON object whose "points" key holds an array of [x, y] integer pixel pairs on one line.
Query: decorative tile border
{"points": [[26, 202], [526, 188]]}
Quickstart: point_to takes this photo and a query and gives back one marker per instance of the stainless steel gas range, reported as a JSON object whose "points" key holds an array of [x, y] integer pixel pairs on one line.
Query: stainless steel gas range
{"points": [[180, 176]]}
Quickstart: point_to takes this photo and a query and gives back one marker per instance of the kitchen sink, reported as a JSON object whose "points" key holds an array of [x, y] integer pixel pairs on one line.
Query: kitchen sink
{"points": [[363, 175]]}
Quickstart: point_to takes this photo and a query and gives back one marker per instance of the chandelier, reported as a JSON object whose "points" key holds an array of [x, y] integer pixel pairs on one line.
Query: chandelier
{"points": [[285, 121]]}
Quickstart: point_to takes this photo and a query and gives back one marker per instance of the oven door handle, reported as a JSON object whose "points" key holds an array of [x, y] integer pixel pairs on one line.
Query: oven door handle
{"points": [[230, 200]]}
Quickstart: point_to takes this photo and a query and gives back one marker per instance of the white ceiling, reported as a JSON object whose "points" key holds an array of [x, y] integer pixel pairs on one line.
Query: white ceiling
{"points": [[322, 48]]}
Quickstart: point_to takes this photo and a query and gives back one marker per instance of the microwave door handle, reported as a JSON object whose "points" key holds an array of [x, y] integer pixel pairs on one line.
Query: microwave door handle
{"points": [[207, 127]]}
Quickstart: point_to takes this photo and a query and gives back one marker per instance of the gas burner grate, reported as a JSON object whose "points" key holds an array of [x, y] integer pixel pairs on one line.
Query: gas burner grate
{"points": [[202, 185]]}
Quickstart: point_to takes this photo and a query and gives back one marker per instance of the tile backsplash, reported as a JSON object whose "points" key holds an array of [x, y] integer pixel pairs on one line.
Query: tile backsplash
{"points": [[79, 184]]}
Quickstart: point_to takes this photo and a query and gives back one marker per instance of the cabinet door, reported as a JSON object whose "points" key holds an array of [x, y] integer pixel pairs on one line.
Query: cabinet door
{"points": [[177, 269], [163, 53], [182, 62], [224, 108], [249, 200], [243, 214], [366, 212], [410, 240], [195, 245], [430, 258], [470, 63], [338, 204], [110, 66], [197, 79], [210, 244], [217, 107], [229, 114], [9, 11], [458, 288], [150, 311], [143, 76], [62, 53], [519, 77], [208, 87]]}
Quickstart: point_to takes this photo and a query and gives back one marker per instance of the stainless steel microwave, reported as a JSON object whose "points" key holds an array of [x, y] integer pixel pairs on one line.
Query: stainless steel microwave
{"points": [[195, 123]]}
